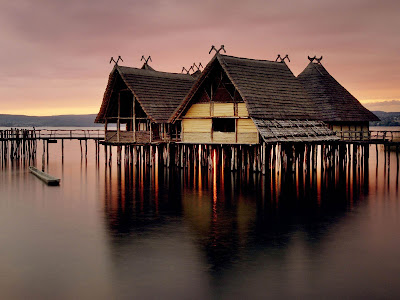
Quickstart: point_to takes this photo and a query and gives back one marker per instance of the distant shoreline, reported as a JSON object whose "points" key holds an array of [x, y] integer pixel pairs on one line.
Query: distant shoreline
{"points": [[48, 121], [8, 121]]}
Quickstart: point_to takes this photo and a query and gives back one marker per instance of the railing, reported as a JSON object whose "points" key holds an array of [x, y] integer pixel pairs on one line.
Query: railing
{"points": [[141, 137], [385, 135], [10, 134], [373, 135], [352, 135]]}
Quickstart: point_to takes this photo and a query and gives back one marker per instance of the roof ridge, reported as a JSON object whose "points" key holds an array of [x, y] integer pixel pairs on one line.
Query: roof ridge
{"points": [[154, 72], [314, 65], [332, 98], [250, 59]]}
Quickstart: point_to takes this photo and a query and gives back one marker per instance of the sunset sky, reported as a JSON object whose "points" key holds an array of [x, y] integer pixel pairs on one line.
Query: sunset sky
{"points": [[55, 53]]}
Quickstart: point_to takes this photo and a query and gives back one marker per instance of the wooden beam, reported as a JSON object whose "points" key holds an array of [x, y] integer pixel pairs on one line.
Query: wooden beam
{"points": [[134, 118], [236, 130], [119, 114]]}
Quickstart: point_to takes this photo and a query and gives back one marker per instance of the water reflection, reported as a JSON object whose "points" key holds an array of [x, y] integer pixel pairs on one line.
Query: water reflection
{"points": [[301, 230], [230, 217]]}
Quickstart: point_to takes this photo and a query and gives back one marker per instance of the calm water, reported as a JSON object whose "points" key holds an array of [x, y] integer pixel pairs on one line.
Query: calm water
{"points": [[125, 233]]}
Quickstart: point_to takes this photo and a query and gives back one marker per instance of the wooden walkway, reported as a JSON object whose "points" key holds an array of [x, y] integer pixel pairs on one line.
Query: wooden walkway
{"points": [[22, 143], [18, 143], [51, 134], [372, 137]]}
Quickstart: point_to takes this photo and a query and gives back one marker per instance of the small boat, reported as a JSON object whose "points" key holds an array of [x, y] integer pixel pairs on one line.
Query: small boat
{"points": [[48, 179]]}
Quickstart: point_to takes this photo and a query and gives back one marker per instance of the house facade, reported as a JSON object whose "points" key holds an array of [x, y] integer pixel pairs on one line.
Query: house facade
{"points": [[140, 102], [340, 110], [246, 101]]}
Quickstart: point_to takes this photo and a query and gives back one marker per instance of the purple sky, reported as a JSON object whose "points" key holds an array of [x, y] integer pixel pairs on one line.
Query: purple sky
{"points": [[55, 53]]}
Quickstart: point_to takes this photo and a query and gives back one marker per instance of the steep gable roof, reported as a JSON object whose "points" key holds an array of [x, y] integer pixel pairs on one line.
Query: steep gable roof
{"points": [[332, 100], [269, 89], [276, 101], [159, 93]]}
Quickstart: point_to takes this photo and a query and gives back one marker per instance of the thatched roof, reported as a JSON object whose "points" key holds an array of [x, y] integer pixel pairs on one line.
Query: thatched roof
{"points": [[274, 131], [269, 89], [271, 93], [146, 66], [158, 93], [333, 101]]}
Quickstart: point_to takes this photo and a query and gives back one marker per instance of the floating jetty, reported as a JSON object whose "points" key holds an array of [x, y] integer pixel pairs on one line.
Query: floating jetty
{"points": [[48, 179]]}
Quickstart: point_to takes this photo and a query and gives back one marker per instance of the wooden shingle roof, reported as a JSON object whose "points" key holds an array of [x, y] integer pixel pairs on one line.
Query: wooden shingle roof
{"points": [[159, 93], [333, 101], [278, 131], [269, 89], [275, 99]]}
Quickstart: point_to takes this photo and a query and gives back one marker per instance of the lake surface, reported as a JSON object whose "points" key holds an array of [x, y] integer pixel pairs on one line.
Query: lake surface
{"points": [[153, 233]]}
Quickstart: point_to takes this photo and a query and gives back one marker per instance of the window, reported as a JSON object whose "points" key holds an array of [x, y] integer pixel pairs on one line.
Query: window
{"points": [[223, 125]]}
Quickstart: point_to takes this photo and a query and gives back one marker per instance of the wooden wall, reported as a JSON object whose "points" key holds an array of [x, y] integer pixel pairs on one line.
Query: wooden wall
{"points": [[351, 131], [197, 124], [142, 137]]}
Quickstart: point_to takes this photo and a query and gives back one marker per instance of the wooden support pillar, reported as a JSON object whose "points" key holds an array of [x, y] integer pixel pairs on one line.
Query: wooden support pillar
{"points": [[47, 149], [322, 155], [135, 155], [118, 119], [119, 148], [134, 118], [151, 150], [105, 154], [243, 157], [43, 155], [168, 155]]}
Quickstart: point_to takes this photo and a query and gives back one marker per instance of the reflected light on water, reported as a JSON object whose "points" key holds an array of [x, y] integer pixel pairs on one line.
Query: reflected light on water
{"points": [[135, 231]]}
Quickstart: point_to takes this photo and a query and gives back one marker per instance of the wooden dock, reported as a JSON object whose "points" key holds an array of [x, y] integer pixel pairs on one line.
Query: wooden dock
{"points": [[21, 144], [46, 178]]}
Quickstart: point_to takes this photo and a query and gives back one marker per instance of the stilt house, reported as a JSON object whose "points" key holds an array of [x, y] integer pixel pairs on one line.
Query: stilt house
{"points": [[140, 102], [335, 105], [247, 101]]}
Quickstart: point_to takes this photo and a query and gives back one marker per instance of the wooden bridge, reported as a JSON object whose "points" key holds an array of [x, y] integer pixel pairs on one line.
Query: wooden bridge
{"points": [[51, 134], [17, 143], [372, 136], [22, 143]]}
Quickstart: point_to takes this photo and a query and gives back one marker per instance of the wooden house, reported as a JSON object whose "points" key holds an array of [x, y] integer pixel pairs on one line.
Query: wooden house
{"points": [[335, 105], [247, 101], [140, 102]]}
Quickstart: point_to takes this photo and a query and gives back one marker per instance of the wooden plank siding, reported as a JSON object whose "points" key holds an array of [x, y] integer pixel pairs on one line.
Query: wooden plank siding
{"points": [[142, 137], [196, 137], [242, 110], [248, 138], [196, 125], [199, 130], [352, 132], [199, 110], [223, 110], [246, 125], [247, 132], [224, 137]]}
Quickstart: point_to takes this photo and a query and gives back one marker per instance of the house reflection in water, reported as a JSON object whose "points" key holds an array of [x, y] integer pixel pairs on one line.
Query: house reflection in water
{"points": [[189, 224]]}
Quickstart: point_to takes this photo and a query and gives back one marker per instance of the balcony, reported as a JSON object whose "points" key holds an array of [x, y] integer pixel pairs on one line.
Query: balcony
{"points": [[127, 137]]}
